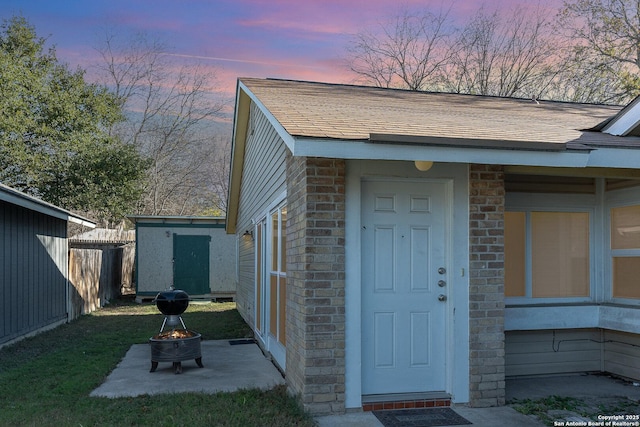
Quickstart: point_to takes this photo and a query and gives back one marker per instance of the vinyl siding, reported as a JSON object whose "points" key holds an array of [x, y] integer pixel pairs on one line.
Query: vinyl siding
{"points": [[33, 271], [551, 352], [622, 354], [263, 180]]}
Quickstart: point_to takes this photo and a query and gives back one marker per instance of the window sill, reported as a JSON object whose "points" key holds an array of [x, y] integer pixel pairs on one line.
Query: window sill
{"points": [[617, 317]]}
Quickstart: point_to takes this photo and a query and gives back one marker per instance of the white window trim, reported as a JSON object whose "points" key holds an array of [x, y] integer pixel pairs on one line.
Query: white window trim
{"points": [[271, 343], [617, 199], [261, 334], [524, 202]]}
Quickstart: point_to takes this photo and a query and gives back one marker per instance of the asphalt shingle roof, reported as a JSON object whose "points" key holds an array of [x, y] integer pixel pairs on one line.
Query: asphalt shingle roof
{"points": [[345, 112]]}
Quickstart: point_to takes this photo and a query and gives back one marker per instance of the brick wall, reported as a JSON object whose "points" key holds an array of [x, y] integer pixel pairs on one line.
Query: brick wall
{"points": [[486, 291], [315, 324]]}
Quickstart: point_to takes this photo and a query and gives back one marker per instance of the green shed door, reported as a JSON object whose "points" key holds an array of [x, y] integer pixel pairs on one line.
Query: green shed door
{"points": [[191, 263]]}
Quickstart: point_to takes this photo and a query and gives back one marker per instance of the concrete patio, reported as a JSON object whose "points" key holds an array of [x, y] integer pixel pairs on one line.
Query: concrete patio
{"points": [[226, 368]]}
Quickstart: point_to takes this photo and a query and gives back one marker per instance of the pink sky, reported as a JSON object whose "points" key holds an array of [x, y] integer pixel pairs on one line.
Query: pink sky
{"points": [[294, 39]]}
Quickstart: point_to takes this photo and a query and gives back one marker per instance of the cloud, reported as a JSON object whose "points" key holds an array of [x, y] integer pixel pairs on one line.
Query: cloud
{"points": [[243, 61]]}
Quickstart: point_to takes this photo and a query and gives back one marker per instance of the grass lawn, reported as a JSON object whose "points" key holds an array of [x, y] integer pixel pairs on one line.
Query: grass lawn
{"points": [[46, 380]]}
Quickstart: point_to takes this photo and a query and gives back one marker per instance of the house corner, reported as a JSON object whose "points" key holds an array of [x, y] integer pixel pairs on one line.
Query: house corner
{"points": [[315, 363], [486, 287]]}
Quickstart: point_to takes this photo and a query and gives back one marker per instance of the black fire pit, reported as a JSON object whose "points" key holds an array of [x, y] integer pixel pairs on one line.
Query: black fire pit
{"points": [[175, 345]]}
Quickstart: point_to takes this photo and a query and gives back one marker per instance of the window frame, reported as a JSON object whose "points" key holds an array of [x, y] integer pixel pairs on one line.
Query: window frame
{"points": [[617, 200], [528, 203], [275, 244], [271, 343]]}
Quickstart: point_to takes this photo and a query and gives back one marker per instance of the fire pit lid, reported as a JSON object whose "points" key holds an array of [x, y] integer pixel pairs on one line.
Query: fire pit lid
{"points": [[172, 302]]}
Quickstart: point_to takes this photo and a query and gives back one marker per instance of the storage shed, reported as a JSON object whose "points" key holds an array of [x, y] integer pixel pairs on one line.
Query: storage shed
{"points": [[192, 253], [35, 292]]}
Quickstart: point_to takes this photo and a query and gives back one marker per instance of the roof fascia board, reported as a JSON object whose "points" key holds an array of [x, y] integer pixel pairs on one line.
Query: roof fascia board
{"points": [[615, 158], [81, 221], [177, 219], [32, 205], [318, 147], [588, 172], [18, 198], [625, 121], [238, 144], [377, 138], [244, 97], [282, 132]]}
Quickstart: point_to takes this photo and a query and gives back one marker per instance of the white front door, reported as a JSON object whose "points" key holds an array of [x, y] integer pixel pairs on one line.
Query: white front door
{"points": [[404, 286]]}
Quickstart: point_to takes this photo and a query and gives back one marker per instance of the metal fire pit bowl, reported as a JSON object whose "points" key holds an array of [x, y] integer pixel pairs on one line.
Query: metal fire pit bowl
{"points": [[175, 350], [179, 344]]}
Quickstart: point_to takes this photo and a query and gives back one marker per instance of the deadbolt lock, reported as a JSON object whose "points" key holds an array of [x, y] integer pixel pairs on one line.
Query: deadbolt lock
{"points": [[442, 270], [442, 283]]}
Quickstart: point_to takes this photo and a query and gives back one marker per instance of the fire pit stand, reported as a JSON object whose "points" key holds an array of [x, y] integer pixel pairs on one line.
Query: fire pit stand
{"points": [[175, 345]]}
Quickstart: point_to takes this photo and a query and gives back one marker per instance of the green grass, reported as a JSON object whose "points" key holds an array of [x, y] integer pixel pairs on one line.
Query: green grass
{"points": [[46, 380], [554, 408], [541, 407]]}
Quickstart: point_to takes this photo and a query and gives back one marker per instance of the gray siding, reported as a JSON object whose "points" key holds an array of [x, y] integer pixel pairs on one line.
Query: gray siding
{"points": [[552, 352], [33, 271], [622, 354], [263, 180], [572, 351]]}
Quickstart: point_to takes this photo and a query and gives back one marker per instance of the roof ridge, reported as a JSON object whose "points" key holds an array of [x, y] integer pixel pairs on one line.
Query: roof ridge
{"points": [[404, 90]]}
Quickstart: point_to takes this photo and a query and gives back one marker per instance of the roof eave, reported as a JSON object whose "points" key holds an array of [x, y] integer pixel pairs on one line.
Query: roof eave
{"points": [[238, 143], [467, 142], [136, 219], [446, 151], [19, 198], [244, 98]]}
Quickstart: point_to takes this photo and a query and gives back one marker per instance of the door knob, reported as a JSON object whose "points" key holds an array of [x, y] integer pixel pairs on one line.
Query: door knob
{"points": [[442, 297], [442, 270]]}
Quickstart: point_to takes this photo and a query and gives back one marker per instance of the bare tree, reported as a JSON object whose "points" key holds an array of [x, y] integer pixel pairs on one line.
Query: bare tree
{"points": [[511, 57], [584, 77], [606, 34], [408, 52], [172, 109], [219, 177]]}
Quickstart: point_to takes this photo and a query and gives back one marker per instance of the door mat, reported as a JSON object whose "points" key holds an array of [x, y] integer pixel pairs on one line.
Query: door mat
{"points": [[242, 341], [429, 417]]}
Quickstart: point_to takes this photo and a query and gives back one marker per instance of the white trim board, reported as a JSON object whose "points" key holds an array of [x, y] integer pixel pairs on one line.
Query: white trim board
{"points": [[613, 317], [457, 174]]}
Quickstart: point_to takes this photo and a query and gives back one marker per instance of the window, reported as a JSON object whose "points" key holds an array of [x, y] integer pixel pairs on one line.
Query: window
{"points": [[271, 280], [547, 254], [514, 254], [278, 275], [625, 251], [260, 251]]}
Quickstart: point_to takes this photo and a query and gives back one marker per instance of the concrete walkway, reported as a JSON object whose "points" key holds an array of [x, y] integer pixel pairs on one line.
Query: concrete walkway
{"points": [[593, 387], [478, 417]]}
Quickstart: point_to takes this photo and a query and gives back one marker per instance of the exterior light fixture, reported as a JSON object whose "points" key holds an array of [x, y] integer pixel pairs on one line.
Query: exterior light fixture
{"points": [[423, 165], [248, 233]]}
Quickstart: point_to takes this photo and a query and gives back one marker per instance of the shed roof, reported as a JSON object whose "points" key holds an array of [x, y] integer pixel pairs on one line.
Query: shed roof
{"points": [[177, 219], [19, 198]]}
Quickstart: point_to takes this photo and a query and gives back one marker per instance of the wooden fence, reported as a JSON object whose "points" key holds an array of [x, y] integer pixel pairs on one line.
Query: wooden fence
{"points": [[98, 275]]}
